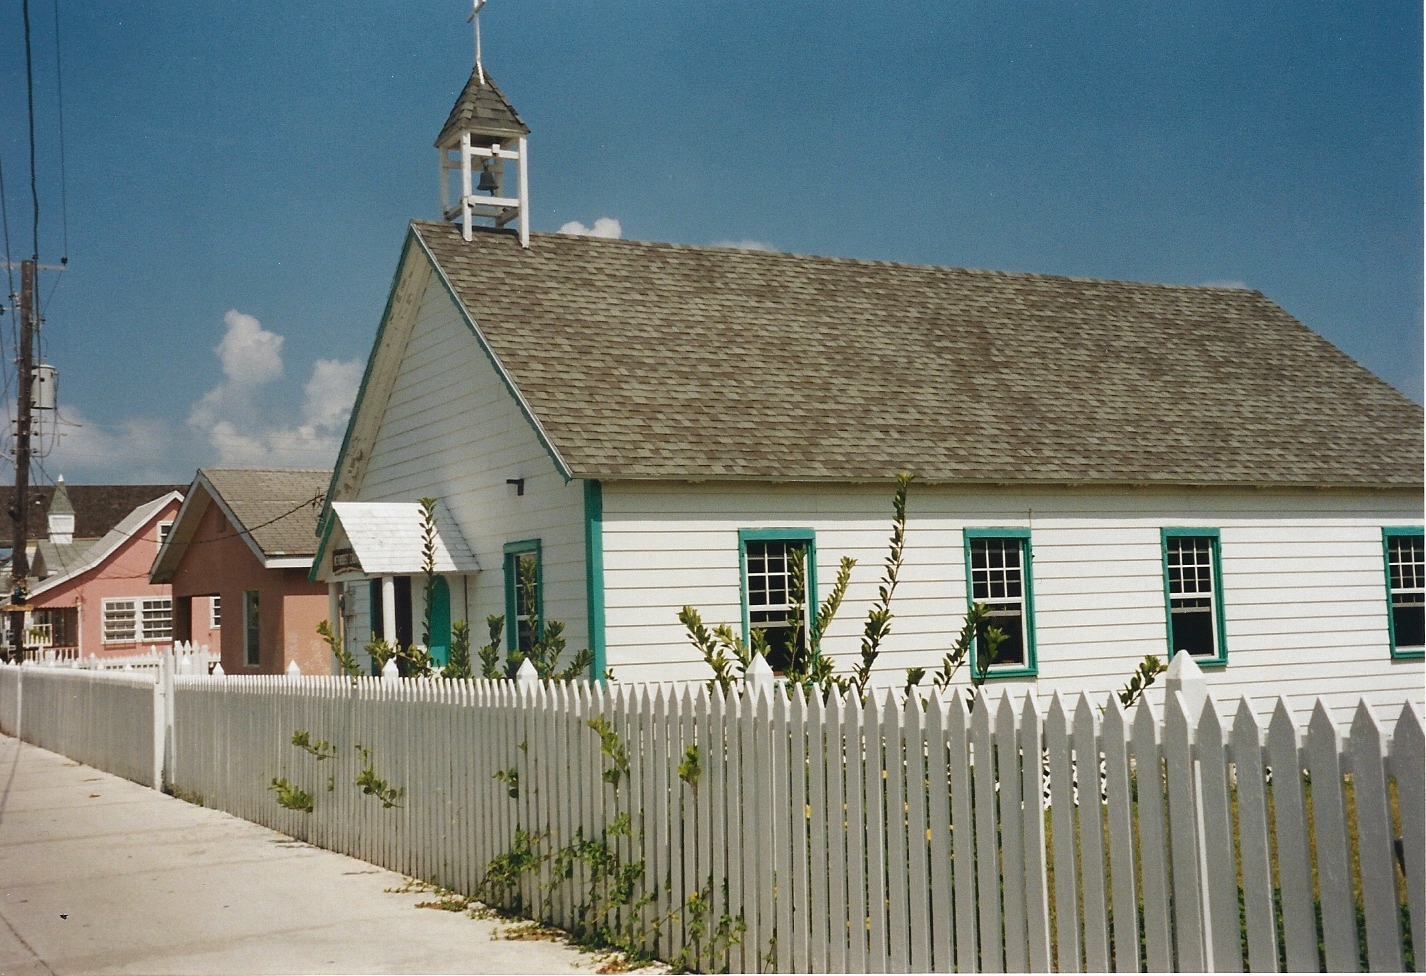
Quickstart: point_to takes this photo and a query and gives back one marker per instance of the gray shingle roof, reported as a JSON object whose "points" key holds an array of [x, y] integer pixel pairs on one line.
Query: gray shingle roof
{"points": [[481, 108], [279, 509], [97, 508], [649, 361]]}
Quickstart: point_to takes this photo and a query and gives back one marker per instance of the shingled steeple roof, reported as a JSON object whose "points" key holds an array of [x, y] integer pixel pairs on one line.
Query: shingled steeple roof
{"points": [[481, 109]]}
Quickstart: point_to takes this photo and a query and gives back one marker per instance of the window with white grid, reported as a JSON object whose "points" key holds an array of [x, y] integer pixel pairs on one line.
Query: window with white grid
{"points": [[769, 588], [121, 621], [1192, 584], [216, 621], [998, 569], [1406, 581], [134, 620], [157, 620]]}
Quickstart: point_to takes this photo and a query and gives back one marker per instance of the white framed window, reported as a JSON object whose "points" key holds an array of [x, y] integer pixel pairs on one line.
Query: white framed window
{"points": [[164, 528], [1406, 590], [1193, 590], [999, 577], [121, 621], [769, 592], [216, 613], [133, 620]]}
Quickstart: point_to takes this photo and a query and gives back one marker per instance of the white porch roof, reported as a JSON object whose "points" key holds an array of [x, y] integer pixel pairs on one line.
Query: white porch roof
{"points": [[385, 538]]}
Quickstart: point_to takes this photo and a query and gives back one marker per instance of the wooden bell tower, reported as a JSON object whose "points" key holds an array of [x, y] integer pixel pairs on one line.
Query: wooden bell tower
{"points": [[483, 155]]}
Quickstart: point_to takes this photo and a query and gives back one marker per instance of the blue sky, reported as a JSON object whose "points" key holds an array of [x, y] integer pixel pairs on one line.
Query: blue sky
{"points": [[239, 176]]}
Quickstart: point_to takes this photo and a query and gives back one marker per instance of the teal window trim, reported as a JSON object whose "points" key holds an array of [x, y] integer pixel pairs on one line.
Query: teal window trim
{"points": [[512, 625], [1220, 627], [1031, 668], [594, 576], [808, 536], [1387, 534]]}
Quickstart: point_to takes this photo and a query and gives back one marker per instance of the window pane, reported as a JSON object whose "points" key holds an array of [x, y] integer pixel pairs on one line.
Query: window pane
{"points": [[997, 580], [1408, 622], [120, 621], [1407, 556], [1193, 628], [1189, 565], [526, 569], [769, 564], [1011, 651], [158, 620]]}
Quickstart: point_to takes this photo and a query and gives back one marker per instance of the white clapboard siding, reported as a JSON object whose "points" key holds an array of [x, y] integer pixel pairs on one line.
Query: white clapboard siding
{"points": [[888, 834], [1303, 581]]}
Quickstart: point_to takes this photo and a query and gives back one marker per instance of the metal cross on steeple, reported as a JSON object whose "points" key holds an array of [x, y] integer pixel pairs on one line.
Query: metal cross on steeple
{"points": [[474, 18]]}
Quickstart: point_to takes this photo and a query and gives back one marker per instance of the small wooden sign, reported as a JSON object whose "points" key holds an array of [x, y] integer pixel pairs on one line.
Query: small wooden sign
{"points": [[345, 560]]}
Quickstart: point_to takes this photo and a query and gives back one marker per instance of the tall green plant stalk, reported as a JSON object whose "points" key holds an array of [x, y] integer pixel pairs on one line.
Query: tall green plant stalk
{"points": [[428, 563], [878, 622]]}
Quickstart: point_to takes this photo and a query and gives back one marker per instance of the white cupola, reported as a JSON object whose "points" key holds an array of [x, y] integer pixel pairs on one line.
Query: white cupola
{"points": [[61, 515], [483, 153]]}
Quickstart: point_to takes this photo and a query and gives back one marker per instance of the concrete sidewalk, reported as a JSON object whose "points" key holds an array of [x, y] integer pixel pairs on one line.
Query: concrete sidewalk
{"points": [[100, 875]]}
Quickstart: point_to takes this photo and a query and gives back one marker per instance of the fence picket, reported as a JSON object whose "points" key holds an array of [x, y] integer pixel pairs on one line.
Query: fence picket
{"points": [[837, 914], [1408, 765], [797, 814], [939, 817], [1247, 755], [898, 935], [962, 833], [878, 960], [1366, 751], [1334, 865], [1037, 895], [1085, 738], [1057, 743], [1119, 814], [1184, 850], [1012, 828], [818, 938], [1217, 833], [856, 837], [918, 873], [1293, 855]]}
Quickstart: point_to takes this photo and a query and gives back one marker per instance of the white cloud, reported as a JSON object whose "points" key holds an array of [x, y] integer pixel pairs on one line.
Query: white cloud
{"points": [[250, 354], [331, 391], [747, 245], [1223, 284], [603, 227], [142, 448], [236, 417]]}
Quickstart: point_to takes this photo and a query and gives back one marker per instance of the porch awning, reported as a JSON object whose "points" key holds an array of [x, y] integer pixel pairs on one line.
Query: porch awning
{"points": [[385, 539]]}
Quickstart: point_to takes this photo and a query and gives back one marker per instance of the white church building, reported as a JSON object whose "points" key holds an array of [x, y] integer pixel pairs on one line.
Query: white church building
{"points": [[1117, 469]]}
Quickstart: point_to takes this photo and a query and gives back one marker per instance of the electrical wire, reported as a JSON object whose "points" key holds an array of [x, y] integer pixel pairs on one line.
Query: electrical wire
{"points": [[63, 179], [30, 92]]}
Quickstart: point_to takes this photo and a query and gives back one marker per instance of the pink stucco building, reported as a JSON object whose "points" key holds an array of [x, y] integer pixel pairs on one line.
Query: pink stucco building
{"points": [[245, 538], [93, 597]]}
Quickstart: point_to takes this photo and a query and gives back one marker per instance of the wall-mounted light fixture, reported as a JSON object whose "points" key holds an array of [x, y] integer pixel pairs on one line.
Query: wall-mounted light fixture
{"points": [[519, 484]]}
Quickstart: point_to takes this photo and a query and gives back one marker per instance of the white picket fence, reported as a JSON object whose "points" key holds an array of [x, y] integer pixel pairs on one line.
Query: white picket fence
{"points": [[191, 659], [886, 836], [111, 720]]}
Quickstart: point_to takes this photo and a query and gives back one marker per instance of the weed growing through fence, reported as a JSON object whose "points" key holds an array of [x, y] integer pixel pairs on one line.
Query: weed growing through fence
{"points": [[373, 785], [346, 661], [511, 778], [689, 769], [320, 750], [610, 907], [290, 796]]}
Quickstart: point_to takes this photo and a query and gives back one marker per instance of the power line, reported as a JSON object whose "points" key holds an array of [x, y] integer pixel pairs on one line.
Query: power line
{"points": [[63, 180], [30, 91]]}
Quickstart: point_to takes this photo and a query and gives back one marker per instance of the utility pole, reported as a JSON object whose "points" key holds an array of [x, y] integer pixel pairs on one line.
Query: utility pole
{"points": [[20, 510]]}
